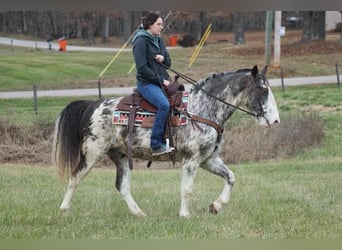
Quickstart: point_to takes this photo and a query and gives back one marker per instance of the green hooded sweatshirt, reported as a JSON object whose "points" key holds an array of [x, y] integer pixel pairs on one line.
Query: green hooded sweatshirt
{"points": [[145, 48]]}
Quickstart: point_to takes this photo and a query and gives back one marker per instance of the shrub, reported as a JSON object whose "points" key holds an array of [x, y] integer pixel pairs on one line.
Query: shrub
{"points": [[292, 136], [31, 143], [25, 142]]}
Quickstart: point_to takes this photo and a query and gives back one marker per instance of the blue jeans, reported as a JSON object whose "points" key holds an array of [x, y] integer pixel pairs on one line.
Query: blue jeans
{"points": [[155, 95]]}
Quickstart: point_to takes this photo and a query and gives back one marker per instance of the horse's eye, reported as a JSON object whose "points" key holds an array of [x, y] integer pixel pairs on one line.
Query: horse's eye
{"points": [[263, 91]]}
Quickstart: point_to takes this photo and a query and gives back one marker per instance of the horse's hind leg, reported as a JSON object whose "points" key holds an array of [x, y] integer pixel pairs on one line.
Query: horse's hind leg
{"points": [[94, 150], [74, 181], [216, 166], [123, 178]]}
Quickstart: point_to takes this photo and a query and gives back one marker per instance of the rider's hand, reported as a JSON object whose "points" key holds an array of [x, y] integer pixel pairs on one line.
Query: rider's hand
{"points": [[166, 83], [159, 58]]}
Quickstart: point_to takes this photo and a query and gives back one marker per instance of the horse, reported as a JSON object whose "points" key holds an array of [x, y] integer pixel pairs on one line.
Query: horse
{"points": [[84, 134]]}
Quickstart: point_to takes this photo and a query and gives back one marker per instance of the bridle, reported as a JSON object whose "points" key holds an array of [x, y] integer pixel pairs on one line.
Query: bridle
{"points": [[262, 112]]}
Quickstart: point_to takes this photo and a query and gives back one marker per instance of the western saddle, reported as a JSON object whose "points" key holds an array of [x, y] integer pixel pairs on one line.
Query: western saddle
{"points": [[134, 104]]}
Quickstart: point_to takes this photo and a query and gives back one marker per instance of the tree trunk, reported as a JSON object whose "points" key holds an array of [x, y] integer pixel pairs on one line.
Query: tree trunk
{"points": [[105, 27], [238, 27], [313, 25], [127, 24], [24, 24], [90, 28], [79, 24], [53, 23]]}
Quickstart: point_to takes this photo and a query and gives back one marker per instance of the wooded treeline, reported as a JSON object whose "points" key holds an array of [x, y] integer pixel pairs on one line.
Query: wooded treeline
{"points": [[104, 24]]}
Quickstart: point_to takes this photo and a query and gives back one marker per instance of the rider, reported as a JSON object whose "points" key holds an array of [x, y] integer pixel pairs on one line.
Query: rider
{"points": [[149, 54]]}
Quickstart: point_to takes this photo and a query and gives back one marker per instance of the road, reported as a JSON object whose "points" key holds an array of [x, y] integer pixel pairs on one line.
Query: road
{"points": [[120, 91], [54, 45]]}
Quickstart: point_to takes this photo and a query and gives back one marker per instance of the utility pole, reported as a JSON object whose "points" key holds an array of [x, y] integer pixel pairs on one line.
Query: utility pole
{"points": [[268, 36], [277, 25], [341, 29]]}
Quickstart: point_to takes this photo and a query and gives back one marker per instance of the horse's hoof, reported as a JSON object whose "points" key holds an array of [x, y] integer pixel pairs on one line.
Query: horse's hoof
{"points": [[141, 214], [65, 211], [212, 209], [184, 214]]}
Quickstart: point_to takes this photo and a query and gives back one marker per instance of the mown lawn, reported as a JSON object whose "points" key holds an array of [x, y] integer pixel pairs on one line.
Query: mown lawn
{"points": [[292, 199]]}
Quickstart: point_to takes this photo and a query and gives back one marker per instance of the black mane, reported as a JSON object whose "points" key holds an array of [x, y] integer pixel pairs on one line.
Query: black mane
{"points": [[218, 81]]}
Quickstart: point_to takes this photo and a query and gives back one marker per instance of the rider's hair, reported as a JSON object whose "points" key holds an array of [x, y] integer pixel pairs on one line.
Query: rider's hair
{"points": [[150, 20]]}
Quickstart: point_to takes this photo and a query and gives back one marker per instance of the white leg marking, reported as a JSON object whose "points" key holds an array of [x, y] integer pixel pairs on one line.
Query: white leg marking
{"points": [[187, 183], [66, 204], [223, 198], [74, 181], [125, 190], [217, 166], [94, 152]]}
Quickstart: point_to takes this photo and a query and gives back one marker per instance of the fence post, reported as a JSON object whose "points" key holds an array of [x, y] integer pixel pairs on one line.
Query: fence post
{"points": [[338, 76], [35, 99], [282, 80], [99, 87]]}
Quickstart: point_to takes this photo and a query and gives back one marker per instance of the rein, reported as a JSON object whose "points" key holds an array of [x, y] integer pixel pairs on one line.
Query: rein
{"points": [[193, 82]]}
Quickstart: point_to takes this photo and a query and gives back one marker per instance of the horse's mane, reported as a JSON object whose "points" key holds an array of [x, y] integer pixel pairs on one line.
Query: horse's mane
{"points": [[244, 71], [217, 77]]}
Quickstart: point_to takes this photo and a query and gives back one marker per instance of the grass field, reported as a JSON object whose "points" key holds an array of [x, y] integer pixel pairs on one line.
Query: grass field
{"points": [[20, 68], [297, 197], [273, 200]]}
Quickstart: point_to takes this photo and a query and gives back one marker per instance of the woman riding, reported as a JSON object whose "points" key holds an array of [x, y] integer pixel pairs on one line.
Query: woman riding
{"points": [[150, 56]]}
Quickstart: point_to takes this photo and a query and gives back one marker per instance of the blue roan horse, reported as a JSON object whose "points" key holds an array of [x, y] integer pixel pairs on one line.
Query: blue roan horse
{"points": [[84, 134]]}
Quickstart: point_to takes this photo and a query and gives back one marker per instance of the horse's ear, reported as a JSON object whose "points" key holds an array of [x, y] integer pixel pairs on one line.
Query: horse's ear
{"points": [[264, 70], [255, 71]]}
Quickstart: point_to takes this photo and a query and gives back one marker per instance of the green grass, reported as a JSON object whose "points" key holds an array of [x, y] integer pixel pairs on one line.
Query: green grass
{"points": [[273, 200], [20, 68]]}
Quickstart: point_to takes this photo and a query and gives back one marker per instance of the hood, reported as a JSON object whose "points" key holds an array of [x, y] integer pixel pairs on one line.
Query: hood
{"points": [[143, 33]]}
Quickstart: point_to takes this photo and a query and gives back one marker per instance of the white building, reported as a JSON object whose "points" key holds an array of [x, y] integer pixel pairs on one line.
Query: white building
{"points": [[331, 19]]}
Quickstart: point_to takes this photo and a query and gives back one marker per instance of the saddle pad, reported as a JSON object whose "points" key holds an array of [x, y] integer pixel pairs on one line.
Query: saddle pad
{"points": [[121, 118]]}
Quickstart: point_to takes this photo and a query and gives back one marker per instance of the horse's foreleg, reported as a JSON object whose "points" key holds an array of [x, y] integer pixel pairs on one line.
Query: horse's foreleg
{"points": [[216, 166], [187, 184], [123, 184]]}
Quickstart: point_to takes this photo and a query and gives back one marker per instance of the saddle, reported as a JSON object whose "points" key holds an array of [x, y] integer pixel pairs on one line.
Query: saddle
{"points": [[134, 110], [146, 111]]}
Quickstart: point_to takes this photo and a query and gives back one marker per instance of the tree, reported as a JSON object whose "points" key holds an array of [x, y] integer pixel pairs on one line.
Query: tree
{"points": [[313, 25], [238, 27], [90, 25], [105, 27], [127, 24]]}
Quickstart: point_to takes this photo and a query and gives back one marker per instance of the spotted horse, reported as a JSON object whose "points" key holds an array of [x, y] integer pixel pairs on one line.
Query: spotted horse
{"points": [[85, 134]]}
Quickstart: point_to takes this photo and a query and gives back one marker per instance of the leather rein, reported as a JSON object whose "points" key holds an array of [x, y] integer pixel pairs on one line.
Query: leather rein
{"points": [[196, 118], [193, 82]]}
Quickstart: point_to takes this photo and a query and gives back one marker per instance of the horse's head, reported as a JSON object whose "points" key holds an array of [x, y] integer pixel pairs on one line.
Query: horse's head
{"points": [[261, 101]]}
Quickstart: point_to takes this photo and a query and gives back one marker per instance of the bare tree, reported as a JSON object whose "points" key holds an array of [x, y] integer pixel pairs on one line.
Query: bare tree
{"points": [[89, 28], [313, 25], [127, 23], [105, 27], [238, 27], [104, 24]]}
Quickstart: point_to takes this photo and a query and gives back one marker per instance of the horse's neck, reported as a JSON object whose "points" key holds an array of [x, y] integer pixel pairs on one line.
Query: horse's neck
{"points": [[205, 106]]}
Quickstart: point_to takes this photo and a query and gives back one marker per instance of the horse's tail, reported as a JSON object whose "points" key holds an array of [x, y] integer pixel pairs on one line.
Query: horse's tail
{"points": [[68, 136]]}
